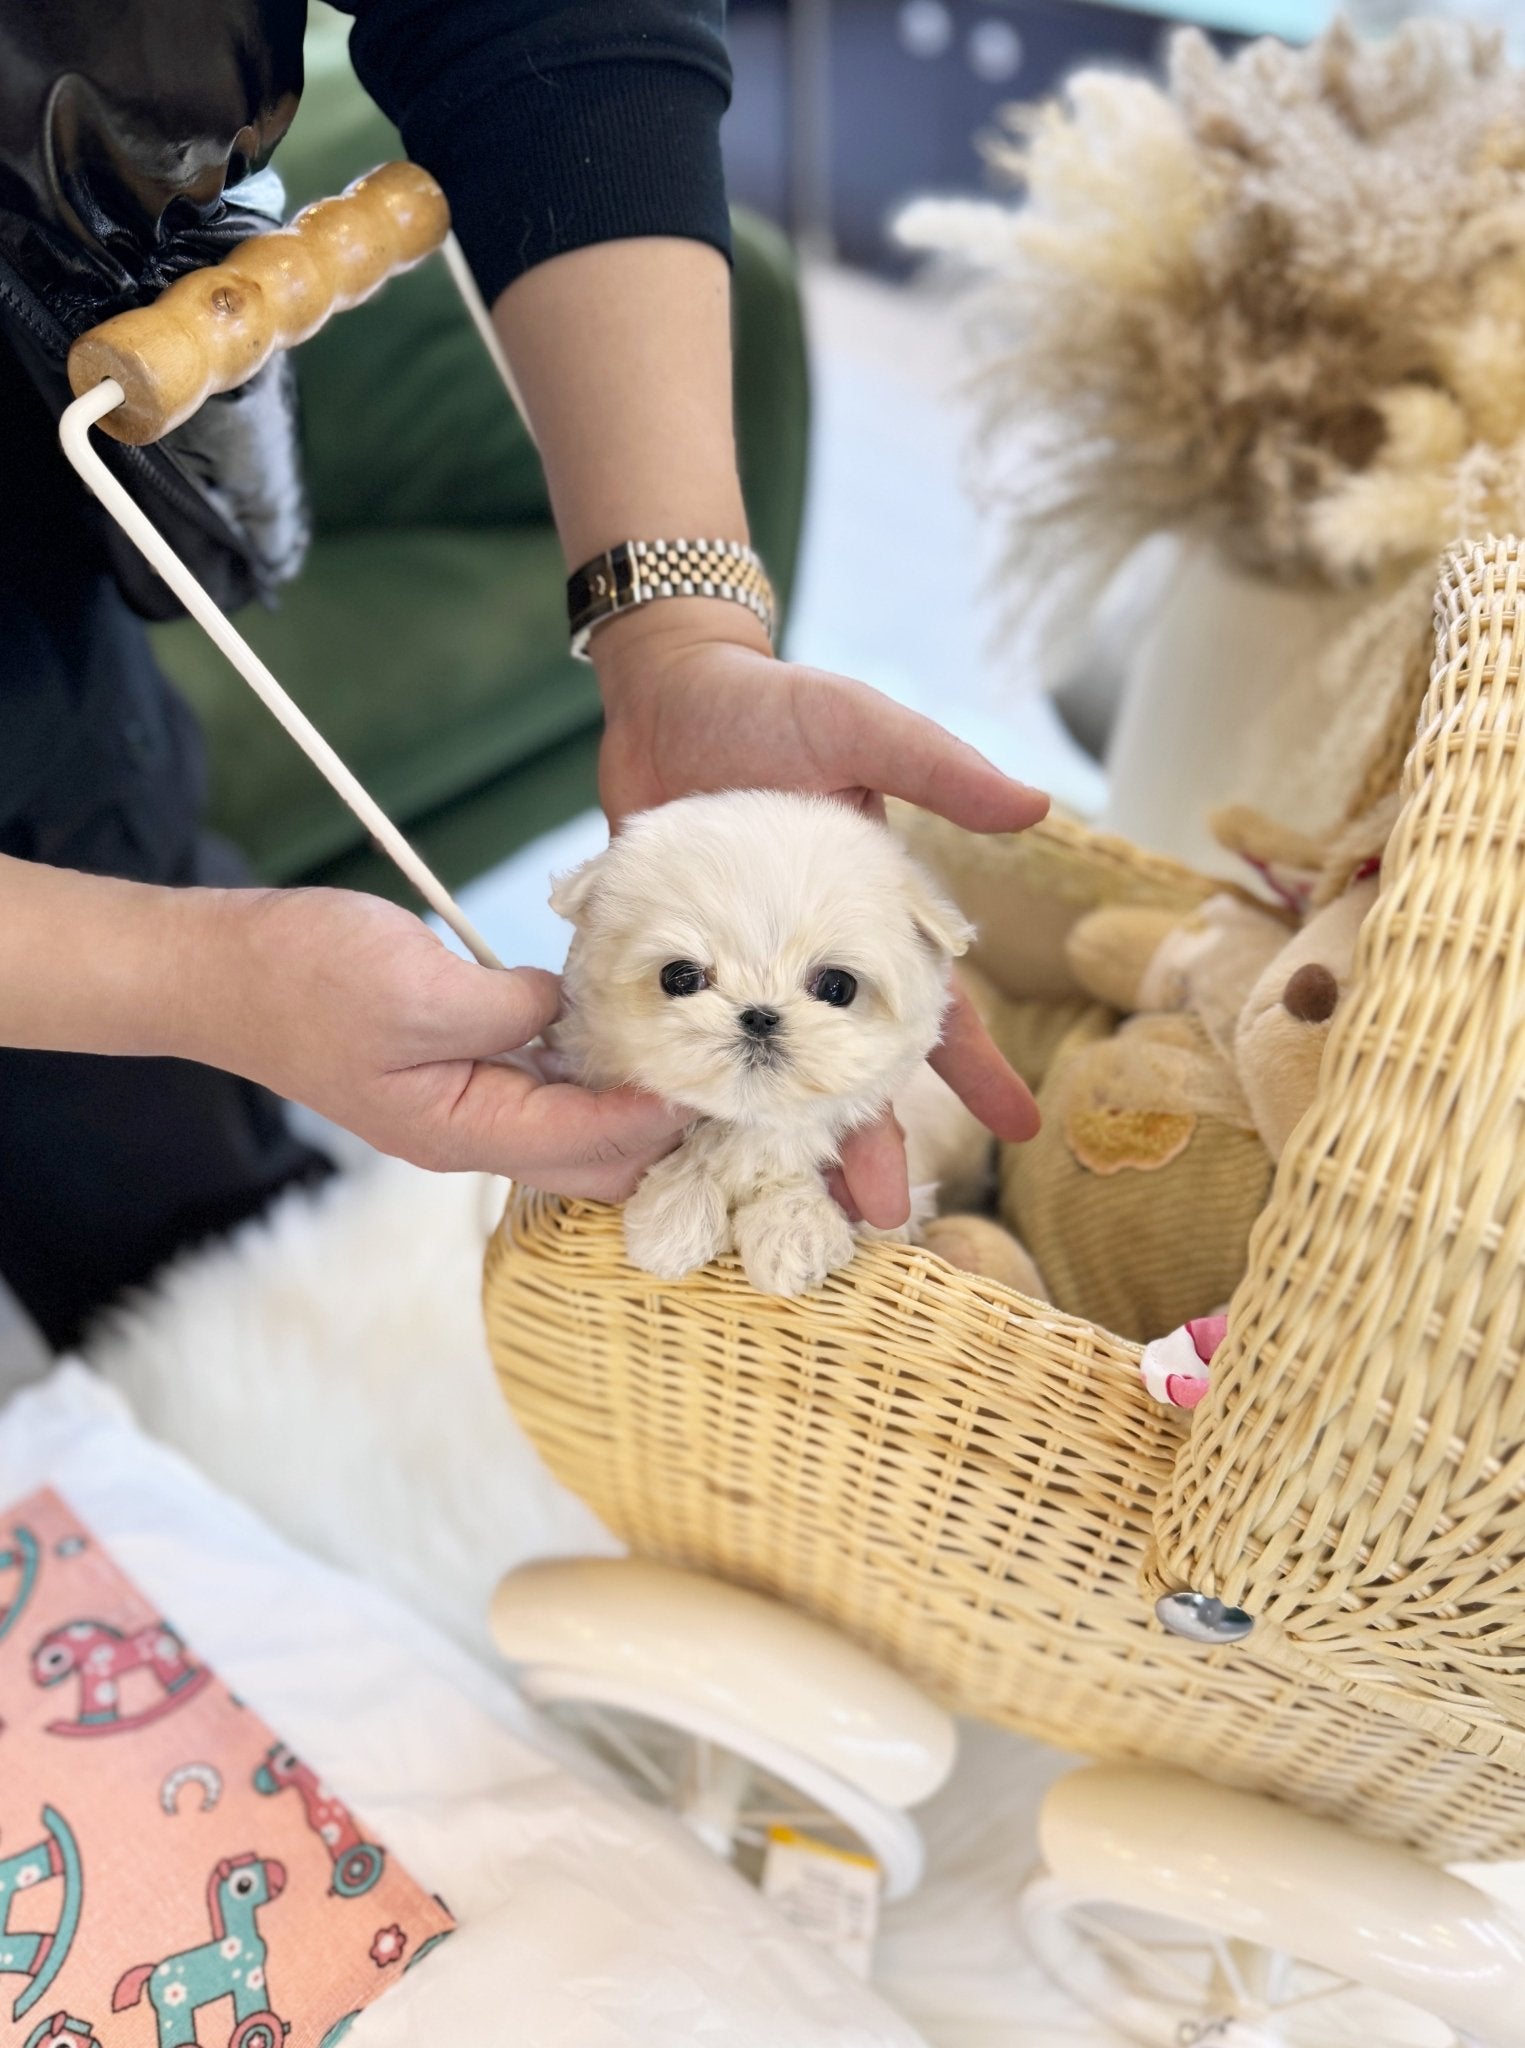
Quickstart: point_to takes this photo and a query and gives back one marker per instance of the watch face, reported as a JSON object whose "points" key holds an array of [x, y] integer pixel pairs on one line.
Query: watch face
{"points": [[604, 585]]}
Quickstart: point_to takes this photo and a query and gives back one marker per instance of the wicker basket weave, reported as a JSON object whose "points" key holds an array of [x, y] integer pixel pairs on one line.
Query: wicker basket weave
{"points": [[978, 1487]]}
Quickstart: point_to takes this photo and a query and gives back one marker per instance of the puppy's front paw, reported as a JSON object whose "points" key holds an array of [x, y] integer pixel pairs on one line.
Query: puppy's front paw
{"points": [[676, 1221], [791, 1238]]}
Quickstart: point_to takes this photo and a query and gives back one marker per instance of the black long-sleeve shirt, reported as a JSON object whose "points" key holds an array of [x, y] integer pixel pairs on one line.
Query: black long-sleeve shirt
{"points": [[552, 124]]}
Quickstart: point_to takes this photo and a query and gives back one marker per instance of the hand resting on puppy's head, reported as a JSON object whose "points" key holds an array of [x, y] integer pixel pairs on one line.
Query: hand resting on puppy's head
{"points": [[779, 965]]}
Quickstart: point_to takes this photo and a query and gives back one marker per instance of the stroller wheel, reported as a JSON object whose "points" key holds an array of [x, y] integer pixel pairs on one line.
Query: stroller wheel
{"points": [[728, 1709], [729, 1786], [1175, 1984], [1184, 1914]]}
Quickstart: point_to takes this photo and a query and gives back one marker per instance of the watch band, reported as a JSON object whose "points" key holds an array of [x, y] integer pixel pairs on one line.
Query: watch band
{"points": [[639, 571]]}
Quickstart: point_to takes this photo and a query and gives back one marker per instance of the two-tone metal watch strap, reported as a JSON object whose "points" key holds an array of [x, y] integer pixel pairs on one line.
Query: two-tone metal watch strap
{"points": [[639, 571]]}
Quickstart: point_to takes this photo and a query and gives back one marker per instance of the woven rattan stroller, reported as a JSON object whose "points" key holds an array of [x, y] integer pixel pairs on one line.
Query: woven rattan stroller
{"points": [[978, 1491]]}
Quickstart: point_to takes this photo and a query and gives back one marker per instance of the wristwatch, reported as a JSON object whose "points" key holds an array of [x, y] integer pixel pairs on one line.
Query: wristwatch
{"points": [[638, 572]]}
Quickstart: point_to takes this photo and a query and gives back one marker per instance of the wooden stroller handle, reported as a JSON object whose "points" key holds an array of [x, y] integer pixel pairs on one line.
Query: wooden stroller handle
{"points": [[213, 328]]}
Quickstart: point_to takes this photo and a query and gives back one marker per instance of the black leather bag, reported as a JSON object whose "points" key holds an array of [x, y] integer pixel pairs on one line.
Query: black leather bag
{"points": [[134, 136]]}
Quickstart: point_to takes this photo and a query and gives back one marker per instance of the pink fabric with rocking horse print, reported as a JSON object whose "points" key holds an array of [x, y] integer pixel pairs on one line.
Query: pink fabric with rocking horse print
{"points": [[170, 1873]]}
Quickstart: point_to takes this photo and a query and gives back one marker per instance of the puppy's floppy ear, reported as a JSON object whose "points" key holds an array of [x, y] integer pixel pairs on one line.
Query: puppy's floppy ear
{"points": [[938, 920], [573, 892]]}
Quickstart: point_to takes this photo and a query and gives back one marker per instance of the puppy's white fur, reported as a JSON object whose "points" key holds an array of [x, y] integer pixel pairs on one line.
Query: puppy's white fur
{"points": [[762, 892]]}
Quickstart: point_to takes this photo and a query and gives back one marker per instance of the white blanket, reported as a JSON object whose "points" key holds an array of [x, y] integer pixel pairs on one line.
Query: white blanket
{"points": [[586, 1921]]}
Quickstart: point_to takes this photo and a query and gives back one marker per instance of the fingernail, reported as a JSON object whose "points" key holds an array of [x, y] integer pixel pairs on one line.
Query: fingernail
{"points": [[1027, 788]]}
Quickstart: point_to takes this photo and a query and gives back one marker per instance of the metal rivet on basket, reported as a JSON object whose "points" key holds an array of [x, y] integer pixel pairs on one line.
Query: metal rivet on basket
{"points": [[1202, 1619]]}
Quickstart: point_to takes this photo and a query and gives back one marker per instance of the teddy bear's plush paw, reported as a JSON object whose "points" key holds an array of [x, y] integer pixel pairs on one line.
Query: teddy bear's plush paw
{"points": [[791, 1237], [676, 1221], [980, 1245]]}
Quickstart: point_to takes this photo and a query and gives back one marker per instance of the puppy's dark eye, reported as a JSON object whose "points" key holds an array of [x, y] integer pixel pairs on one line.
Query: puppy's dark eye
{"points": [[683, 978], [834, 985]]}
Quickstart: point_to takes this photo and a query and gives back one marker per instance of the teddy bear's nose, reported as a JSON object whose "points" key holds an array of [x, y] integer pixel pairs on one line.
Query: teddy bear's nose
{"points": [[1311, 994]]}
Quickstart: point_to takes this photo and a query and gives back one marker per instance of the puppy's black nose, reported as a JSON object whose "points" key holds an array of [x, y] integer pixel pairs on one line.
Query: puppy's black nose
{"points": [[759, 1023]]}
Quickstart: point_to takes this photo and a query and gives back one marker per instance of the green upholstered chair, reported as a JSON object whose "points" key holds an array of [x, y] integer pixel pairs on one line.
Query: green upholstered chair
{"points": [[426, 637]]}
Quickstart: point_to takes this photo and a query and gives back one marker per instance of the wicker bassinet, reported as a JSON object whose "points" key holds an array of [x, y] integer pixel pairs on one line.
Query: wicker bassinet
{"points": [[978, 1487]]}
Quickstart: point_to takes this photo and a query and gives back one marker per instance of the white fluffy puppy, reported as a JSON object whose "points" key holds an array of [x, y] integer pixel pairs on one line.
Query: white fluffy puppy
{"points": [[780, 966]]}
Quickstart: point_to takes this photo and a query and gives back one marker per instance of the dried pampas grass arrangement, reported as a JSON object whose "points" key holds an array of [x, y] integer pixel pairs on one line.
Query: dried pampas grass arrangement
{"points": [[1280, 303]]}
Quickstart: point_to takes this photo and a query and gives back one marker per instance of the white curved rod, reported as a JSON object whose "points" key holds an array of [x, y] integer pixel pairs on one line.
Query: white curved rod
{"points": [[74, 433], [481, 320]]}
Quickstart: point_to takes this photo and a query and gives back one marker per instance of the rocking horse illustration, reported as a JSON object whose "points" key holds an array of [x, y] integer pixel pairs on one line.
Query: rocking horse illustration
{"points": [[71, 2032], [40, 1957], [20, 1556], [101, 1657], [230, 1965], [357, 1863]]}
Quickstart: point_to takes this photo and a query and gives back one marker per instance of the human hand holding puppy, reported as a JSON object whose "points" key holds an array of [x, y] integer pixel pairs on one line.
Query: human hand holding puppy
{"points": [[338, 1000], [695, 702], [354, 1007]]}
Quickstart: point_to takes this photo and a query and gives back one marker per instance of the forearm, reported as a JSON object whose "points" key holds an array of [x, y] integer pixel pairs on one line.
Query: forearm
{"points": [[579, 147], [622, 354], [92, 964]]}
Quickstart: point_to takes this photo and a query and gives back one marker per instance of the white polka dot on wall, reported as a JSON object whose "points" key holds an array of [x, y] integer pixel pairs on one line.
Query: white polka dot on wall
{"points": [[995, 51], [926, 28]]}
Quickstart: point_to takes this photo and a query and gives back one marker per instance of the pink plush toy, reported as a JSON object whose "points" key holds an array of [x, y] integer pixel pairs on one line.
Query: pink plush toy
{"points": [[1175, 1367]]}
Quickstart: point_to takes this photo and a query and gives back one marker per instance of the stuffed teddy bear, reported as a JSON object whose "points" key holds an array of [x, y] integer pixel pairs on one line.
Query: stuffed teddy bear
{"points": [[1137, 1197], [1169, 1084]]}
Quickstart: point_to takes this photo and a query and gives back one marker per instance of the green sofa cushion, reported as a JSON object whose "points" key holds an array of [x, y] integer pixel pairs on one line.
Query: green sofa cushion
{"points": [[488, 683]]}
